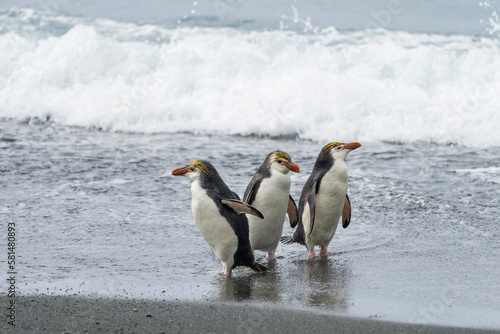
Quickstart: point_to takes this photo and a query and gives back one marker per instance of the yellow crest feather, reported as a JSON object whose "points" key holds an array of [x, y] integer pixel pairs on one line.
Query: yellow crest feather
{"points": [[328, 147], [280, 155], [199, 165]]}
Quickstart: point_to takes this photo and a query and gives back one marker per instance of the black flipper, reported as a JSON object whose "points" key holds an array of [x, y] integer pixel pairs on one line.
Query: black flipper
{"points": [[241, 207], [346, 212], [311, 200], [292, 212], [251, 191]]}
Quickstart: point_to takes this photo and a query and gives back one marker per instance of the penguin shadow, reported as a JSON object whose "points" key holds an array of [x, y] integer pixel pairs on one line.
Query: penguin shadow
{"points": [[245, 285], [323, 282]]}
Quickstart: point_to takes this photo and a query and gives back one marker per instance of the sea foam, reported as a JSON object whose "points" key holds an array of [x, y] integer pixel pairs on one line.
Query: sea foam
{"points": [[328, 85]]}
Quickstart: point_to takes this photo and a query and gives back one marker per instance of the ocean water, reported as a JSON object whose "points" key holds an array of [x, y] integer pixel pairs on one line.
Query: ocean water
{"points": [[369, 84], [100, 101]]}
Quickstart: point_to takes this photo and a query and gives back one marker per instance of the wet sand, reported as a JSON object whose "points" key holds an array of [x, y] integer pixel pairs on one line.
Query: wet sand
{"points": [[94, 222], [74, 314]]}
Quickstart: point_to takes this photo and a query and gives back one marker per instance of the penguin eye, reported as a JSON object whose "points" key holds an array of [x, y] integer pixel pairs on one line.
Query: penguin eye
{"points": [[280, 161], [191, 169]]}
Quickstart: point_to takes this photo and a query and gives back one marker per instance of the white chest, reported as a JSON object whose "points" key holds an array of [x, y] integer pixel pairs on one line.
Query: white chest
{"points": [[273, 193], [334, 183], [329, 203], [203, 207], [213, 227], [272, 201]]}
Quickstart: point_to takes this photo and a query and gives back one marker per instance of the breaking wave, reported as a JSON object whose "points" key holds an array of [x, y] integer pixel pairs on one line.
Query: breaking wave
{"points": [[328, 85]]}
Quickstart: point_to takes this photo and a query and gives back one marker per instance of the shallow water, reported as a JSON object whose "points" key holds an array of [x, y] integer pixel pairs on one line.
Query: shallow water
{"points": [[99, 213]]}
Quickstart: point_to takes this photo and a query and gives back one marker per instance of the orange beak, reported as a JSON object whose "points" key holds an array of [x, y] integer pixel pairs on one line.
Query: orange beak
{"points": [[293, 167], [352, 146], [180, 171]]}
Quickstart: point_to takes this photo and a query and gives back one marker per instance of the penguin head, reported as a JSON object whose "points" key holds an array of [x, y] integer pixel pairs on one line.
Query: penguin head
{"points": [[281, 162], [340, 150], [195, 170]]}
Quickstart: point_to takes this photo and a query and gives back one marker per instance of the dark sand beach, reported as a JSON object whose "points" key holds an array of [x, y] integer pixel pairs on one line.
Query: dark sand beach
{"points": [[72, 314]]}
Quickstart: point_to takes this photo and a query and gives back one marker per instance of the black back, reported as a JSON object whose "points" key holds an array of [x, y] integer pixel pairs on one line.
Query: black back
{"points": [[323, 164], [262, 173]]}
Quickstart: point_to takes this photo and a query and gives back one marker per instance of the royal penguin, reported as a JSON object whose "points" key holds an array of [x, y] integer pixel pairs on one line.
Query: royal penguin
{"points": [[220, 216], [324, 200], [269, 192]]}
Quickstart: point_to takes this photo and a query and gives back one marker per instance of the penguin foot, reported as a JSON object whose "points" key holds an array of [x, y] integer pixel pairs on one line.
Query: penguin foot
{"points": [[323, 252], [311, 254], [271, 256], [226, 272]]}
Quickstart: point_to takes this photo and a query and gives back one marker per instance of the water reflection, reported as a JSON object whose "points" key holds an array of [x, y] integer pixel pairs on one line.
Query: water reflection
{"points": [[323, 283], [251, 286]]}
